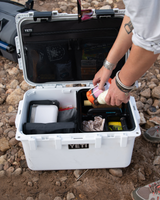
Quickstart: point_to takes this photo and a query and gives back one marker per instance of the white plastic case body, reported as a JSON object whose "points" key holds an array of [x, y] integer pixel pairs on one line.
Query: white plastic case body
{"points": [[73, 150]]}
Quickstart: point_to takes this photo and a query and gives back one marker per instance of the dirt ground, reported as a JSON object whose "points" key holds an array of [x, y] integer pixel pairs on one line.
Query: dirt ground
{"points": [[95, 184]]}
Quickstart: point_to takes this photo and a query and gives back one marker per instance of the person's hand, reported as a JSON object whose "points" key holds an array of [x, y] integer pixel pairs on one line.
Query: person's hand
{"points": [[115, 96], [102, 77]]}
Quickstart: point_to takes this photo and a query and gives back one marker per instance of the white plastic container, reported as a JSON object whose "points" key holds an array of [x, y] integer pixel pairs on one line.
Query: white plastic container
{"points": [[79, 150]]}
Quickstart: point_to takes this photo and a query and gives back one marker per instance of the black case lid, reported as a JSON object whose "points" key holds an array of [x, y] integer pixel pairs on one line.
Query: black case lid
{"points": [[63, 49]]}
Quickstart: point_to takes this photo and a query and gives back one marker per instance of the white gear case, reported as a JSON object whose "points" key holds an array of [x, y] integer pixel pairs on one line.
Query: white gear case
{"points": [[55, 50]]}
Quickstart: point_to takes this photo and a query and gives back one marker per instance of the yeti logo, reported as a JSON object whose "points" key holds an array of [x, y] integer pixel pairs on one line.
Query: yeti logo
{"points": [[28, 30], [78, 146]]}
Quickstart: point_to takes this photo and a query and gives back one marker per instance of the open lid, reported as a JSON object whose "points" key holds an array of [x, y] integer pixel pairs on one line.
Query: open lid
{"points": [[55, 47]]}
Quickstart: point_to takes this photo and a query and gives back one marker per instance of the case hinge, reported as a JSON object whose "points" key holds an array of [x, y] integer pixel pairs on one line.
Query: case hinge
{"points": [[45, 86]]}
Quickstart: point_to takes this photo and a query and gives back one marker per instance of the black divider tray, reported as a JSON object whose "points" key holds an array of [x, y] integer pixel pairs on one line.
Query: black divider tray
{"points": [[121, 114]]}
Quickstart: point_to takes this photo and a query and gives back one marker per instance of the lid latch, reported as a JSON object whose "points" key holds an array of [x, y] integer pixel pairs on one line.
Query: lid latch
{"points": [[42, 15]]}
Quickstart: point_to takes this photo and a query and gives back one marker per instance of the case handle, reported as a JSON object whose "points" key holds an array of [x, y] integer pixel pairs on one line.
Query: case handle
{"points": [[133, 103], [19, 113]]}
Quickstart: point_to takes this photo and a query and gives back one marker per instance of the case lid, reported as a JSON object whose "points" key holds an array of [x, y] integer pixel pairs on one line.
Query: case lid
{"points": [[56, 48]]}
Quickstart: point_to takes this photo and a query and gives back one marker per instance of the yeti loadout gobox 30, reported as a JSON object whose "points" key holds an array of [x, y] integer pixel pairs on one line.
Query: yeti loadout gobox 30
{"points": [[56, 50]]}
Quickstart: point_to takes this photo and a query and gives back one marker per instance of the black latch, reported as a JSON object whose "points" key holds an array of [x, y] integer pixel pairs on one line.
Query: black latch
{"points": [[42, 15], [103, 13], [29, 4], [3, 22]]}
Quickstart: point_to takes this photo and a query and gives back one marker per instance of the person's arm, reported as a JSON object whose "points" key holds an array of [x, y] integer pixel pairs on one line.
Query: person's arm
{"points": [[120, 47], [139, 61]]}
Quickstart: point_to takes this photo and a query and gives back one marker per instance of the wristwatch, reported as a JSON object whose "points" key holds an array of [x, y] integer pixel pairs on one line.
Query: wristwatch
{"points": [[108, 65]]}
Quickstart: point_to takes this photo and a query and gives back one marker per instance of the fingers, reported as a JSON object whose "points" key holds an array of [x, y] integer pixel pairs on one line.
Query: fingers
{"points": [[115, 101], [95, 80]]}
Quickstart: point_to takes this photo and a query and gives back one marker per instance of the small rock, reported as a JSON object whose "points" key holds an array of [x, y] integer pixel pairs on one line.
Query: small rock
{"points": [[4, 144], [30, 184], [13, 84], [152, 85], [77, 173], [156, 92], [116, 172], [155, 80], [142, 119], [2, 159], [6, 131], [156, 103], [9, 91], [94, 3], [29, 198], [146, 93], [70, 196], [17, 172], [109, 1], [20, 144], [35, 179], [10, 109], [143, 99], [12, 120], [156, 160], [11, 134], [9, 171], [71, 5], [1, 167], [139, 105], [43, 196], [85, 4], [23, 163], [74, 11], [158, 151], [58, 183], [1, 131], [2, 95], [158, 76], [141, 177], [149, 124], [13, 141], [7, 66], [155, 120], [157, 71], [15, 96], [15, 163], [6, 165], [24, 86], [77, 183], [146, 106], [105, 7], [13, 71], [2, 86], [57, 198], [2, 173], [62, 179], [74, 1], [23, 157], [63, 8], [41, 3], [149, 101], [2, 74]]}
